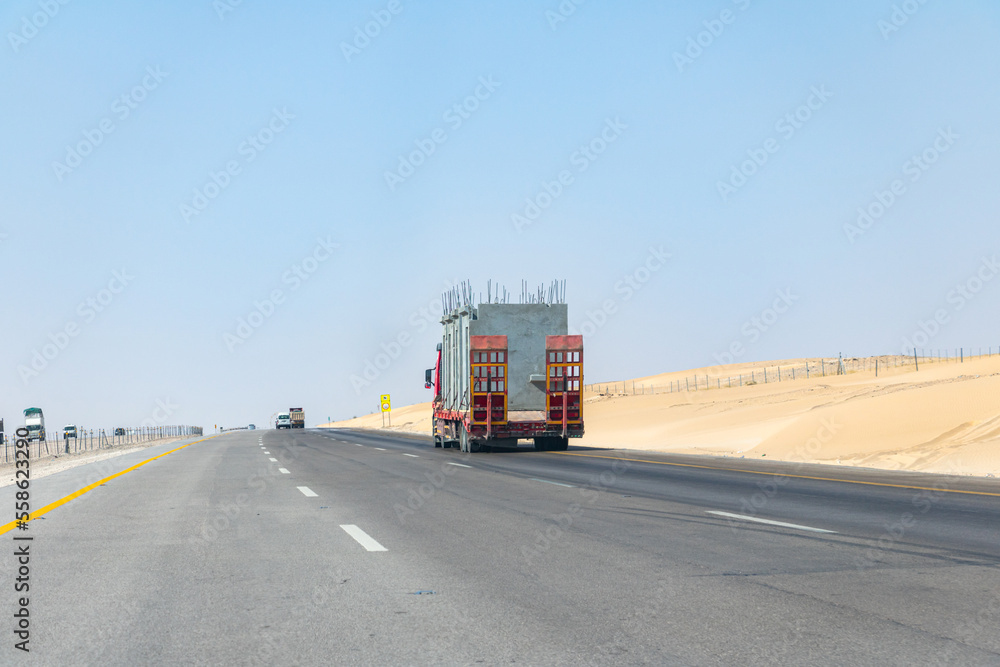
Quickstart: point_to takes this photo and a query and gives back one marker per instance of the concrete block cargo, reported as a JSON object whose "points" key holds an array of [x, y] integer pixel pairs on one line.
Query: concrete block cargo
{"points": [[507, 371]]}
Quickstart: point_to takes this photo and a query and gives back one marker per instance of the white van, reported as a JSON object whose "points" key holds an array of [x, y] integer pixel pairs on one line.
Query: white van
{"points": [[284, 421]]}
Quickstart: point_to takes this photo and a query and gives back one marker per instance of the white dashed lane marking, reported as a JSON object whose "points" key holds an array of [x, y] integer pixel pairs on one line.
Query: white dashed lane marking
{"points": [[780, 524], [306, 491], [363, 538], [568, 486]]}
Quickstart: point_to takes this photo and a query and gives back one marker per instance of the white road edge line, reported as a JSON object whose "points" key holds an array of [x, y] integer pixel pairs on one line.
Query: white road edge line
{"points": [[273, 460], [363, 538], [357, 445], [460, 465], [306, 491], [381, 449], [782, 524], [568, 486], [412, 455], [283, 471]]}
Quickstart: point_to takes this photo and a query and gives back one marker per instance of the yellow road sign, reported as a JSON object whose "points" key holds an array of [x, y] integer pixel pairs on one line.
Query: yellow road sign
{"points": [[386, 403]]}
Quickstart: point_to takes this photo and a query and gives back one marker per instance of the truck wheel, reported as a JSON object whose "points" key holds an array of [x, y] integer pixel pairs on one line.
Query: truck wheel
{"points": [[541, 444], [437, 441], [560, 444]]}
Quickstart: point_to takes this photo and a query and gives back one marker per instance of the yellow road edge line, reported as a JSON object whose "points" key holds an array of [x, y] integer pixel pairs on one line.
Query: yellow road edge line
{"points": [[6, 528], [782, 474]]}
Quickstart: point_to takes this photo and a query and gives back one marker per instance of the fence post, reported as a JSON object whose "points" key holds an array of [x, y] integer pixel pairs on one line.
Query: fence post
{"points": [[915, 362]]}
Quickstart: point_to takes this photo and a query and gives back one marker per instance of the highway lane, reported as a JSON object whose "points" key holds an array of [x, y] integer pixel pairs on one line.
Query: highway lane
{"points": [[947, 511], [213, 554]]}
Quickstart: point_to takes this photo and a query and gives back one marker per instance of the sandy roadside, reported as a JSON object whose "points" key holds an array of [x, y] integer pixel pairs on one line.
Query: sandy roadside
{"points": [[944, 418], [48, 465]]}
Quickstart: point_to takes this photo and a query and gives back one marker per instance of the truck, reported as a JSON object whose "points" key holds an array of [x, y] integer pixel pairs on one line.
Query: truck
{"points": [[69, 431], [298, 417], [284, 421], [34, 421], [505, 372]]}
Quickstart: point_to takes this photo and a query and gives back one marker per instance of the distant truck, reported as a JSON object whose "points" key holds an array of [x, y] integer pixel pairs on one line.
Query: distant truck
{"points": [[298, 417], [505, 372], [284, 421], [69, 431], [34, 421]]}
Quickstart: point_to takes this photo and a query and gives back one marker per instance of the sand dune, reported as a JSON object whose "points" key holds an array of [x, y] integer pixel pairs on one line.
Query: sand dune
{"points": [[944, 418]]}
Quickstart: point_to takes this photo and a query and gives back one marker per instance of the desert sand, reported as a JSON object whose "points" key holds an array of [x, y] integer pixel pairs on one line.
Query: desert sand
{"points": [[944, 418]]}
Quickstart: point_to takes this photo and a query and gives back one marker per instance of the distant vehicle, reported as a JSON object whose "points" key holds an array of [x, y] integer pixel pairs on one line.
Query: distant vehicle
{"points": [[252, 427], [34, 421], [298, 417], [69, 431], [119, 431], [284, 421]]}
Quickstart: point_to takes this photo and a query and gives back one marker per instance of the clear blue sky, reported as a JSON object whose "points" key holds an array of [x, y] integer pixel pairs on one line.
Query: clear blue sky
{"points": [[303, 121]]}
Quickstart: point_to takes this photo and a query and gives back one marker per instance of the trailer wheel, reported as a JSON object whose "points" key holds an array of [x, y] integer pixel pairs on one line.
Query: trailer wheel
{"points": [[541, 444]]}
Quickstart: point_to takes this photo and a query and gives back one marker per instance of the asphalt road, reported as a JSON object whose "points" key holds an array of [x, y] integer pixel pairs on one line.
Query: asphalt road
{"points": [[336, 547]]}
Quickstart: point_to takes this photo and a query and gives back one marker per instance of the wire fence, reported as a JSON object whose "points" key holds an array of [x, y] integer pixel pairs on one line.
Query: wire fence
{"points": [[809, 368], [95, 439]]}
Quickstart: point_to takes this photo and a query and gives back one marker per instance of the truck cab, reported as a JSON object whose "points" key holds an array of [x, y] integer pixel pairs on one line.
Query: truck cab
{"points": [[34, 421]]}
